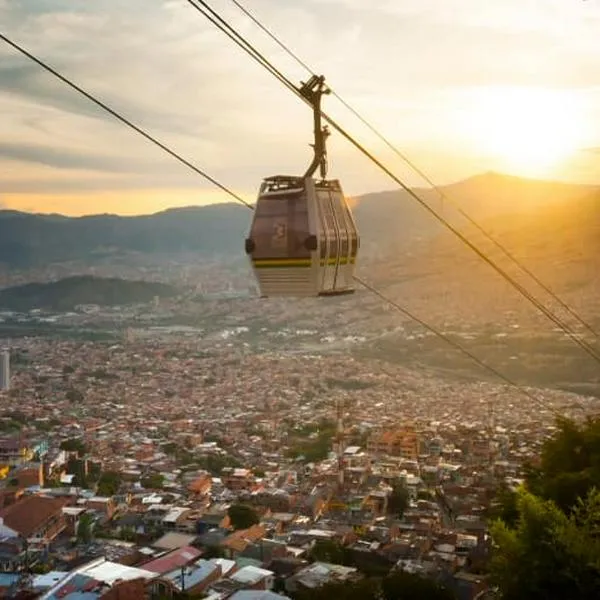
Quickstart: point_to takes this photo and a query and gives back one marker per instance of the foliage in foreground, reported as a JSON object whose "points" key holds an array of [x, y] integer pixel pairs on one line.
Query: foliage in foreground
{"points": [[395, 586], [547, 533], [548, 554]]}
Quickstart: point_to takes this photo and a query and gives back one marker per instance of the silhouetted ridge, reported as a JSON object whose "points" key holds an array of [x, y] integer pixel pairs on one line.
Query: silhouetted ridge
{"points": [[67, 293], [386, 220]]}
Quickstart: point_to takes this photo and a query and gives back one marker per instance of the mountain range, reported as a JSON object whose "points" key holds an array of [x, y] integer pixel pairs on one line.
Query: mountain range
{"points": [[387, 220], [67, 293], [550, 228]]}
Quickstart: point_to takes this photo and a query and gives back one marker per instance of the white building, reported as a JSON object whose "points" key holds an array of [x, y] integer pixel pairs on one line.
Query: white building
{"points": [[4, 370]]}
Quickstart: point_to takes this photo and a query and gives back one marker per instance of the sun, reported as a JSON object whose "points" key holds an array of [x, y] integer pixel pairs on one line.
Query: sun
{"points": [[531, 131]]}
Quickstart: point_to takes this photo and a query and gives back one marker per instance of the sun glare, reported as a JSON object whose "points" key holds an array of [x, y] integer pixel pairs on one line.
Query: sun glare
{"points": [[529, 131]]}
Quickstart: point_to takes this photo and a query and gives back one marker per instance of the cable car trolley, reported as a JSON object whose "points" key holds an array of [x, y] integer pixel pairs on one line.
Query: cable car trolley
{"points": [[303, 239]]}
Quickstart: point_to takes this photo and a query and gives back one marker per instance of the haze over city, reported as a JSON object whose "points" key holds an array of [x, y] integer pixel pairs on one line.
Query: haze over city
{"points": [[373, 385], [462, 87]]}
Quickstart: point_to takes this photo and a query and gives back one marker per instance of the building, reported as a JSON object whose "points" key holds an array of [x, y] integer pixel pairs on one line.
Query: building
{"points": [[237, 479], [402, 442], [4, 370], [36, 518], [15, 451]]}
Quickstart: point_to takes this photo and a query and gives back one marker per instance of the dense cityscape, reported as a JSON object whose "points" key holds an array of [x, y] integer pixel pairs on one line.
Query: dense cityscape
{"points": [[373, 375], [126, 463]]}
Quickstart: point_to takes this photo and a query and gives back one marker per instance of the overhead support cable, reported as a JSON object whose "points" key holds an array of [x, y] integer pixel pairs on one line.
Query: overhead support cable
{"points": [[123, 119], [205, 9], [456, 345], [421, 173]]}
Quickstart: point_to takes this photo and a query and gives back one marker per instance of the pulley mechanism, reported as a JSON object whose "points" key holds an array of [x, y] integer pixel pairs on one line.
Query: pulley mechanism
{"points": [[313, 90]]}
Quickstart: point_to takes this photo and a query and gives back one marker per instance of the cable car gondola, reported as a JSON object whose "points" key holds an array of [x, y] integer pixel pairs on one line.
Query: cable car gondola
{"points": [[303, 239]]}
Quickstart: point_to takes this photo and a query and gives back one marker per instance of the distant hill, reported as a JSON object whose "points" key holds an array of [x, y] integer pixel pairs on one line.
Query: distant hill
{"points": [[28, 240], [387, 220], [557, 239], [67, 293]]}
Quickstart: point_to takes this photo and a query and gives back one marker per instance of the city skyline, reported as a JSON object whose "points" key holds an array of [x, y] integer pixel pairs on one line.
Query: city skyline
{"points": [[474, 87]]}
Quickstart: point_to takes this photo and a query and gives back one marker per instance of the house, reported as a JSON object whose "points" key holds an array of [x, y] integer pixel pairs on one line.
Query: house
{"points": [[14, 451], [72, 515], [402, 442], [176, 519], [29, 476], [246, 578], [8, 584], [101, 578], [13, 554], [103, 505], [175, 559], [238, 541], [201, 485], [257, 595], [237, 479], [37, 518], [173, 540], [318, 574], [213, 520], [194, 578]]}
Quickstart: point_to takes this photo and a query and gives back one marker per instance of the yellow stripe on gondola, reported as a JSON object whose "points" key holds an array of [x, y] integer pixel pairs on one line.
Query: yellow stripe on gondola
{"points": [[291, 263], [273, 263]]}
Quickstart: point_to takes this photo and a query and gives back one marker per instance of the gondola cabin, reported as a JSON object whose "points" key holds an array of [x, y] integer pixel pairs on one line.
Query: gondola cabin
{"points": [[303, 239]]}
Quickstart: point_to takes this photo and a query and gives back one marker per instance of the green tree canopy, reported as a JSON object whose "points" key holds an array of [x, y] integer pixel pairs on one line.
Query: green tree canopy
{"points": [[109, 483], [395, 586], [328, 551], [74, 445], [548, 554], [74, 395], [570, 464], [156, 480], [504, 506], [400, 585], [364, 589], [84, 529], [242, 516], [398, 500]]}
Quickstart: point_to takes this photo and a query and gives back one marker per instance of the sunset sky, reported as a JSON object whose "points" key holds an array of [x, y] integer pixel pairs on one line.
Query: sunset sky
{"points": [[460, 86]]}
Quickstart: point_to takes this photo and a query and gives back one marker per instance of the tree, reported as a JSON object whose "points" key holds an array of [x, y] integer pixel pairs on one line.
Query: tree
{"points": [[156, 480], [395, 586], [74, 445], [84, 529], [570, 464], [66, 371], [364, 589], [242, 516], [548, 554], [209, 552], [400, 585], [426, 495], [74, 395], [76, 467], [109, 483], [398, 500], [328, 551], [504, 506]]}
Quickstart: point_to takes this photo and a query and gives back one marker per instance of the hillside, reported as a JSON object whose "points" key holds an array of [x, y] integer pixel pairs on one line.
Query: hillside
{"points": [[387, 221], [67, 293], [28, 240], [559, 244]]}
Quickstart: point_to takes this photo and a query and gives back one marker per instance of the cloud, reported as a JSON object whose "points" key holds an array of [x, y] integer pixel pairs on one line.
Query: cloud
{"points": [[66, 159], [402, 64]]}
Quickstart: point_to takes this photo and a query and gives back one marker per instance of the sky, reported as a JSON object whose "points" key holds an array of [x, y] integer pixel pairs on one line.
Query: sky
{"points": [[459, 86]]}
